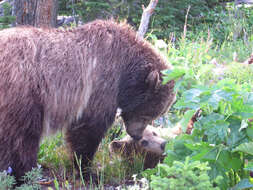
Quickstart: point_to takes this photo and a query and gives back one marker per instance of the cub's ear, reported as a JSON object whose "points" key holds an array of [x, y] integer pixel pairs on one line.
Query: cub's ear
{"points": [[153, 79], [116, 145]]}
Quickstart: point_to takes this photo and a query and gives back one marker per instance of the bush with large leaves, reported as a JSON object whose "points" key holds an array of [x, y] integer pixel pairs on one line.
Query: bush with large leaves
{"points": [[223, 134]]}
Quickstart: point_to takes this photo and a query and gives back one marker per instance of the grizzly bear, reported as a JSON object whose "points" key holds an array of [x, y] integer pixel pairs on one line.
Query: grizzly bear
{"points": [[74, 81]]}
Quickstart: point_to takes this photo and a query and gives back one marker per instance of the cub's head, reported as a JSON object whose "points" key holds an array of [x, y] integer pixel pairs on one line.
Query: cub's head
{"points": [[151, 146]]}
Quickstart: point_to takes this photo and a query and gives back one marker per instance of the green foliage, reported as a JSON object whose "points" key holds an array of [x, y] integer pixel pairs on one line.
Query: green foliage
{"points": [[6, 181], [222, 135], [169, 15], [208, 78], [201, 62], [53, 153], [7, 19], [30, 180], [223, 21], [87, 10], [185, 175]]}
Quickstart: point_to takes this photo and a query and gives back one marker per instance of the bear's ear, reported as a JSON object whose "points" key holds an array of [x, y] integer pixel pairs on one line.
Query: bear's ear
{"points": [[153, 79]]}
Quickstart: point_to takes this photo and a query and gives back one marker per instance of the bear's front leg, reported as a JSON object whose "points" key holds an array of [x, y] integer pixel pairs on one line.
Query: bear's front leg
{"points": [[84, 141]]}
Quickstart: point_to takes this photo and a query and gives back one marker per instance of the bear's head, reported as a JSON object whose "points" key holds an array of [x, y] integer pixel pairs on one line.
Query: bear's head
{"points": [[151, 147], [143, 102]]}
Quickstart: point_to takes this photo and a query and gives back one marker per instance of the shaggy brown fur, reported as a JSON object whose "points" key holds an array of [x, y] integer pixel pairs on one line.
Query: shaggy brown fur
{"points": [[75, 80]]}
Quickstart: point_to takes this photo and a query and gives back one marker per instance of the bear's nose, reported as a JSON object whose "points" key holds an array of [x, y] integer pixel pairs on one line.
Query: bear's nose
{"points": [[163, 145]]}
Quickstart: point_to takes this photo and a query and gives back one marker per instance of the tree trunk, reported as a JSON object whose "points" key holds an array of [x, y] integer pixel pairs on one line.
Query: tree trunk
{"points": [[39, 13], [46, 15]]}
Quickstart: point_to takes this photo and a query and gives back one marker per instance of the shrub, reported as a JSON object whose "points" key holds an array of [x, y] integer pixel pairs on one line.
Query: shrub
{"points": [[30, 180], [188, 175]]}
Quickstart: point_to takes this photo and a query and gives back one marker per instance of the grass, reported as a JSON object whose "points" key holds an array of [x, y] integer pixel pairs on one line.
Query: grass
{"points": [[110, 168]]}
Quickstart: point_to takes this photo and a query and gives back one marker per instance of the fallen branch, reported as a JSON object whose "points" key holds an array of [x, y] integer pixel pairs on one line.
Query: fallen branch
{"points": [[147, 12]]}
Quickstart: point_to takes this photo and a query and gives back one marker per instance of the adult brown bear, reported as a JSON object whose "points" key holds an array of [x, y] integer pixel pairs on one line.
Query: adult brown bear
{"points": [[75, 80]]}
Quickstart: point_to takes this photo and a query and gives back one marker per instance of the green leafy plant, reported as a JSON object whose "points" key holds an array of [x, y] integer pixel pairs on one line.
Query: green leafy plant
{"points": [[185, 175], [30, 180], [6, 181], [222, 136], [53, 153]]}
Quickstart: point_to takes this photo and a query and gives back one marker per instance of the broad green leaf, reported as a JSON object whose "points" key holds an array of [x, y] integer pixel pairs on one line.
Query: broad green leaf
{"points": [[222, 94], [192, 95], [211, 155], [176, 149], [247, 108], [245, 147], [218, 170], [212, 118], [172, 74], [249, 132], [235, 137], [199, 150], [209, 99], [208, 121], [230, 160], [198, 146], [180, 148], [217, 132], [237, 104], [180, 104]]}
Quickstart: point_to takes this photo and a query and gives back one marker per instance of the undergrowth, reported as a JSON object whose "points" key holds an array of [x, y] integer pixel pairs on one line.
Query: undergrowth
{"points": [[30, 179]]}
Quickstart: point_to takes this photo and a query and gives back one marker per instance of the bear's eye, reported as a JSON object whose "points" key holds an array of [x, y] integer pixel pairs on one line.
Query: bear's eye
{"points": [[144, 143], [154, 134]]}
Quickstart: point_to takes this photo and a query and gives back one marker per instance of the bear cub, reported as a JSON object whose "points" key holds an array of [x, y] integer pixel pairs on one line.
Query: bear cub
{"points": [[151, 147]]}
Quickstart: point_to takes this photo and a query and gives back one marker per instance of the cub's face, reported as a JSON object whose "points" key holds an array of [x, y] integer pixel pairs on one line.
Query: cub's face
{"points": [[150, 142]]}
